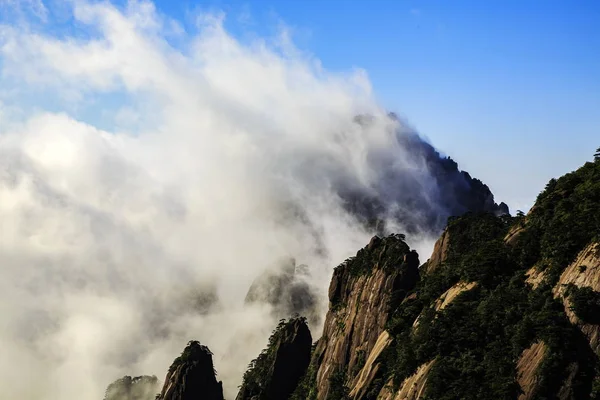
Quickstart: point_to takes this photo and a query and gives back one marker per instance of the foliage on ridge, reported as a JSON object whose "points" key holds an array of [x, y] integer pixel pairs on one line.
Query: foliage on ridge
{"points": [[477, 339]]}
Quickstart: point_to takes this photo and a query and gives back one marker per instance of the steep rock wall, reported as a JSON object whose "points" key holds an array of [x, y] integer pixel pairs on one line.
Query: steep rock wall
{"points": [[361, 293], [278, 369], [584, 272], [412, 388], [527, 368]]}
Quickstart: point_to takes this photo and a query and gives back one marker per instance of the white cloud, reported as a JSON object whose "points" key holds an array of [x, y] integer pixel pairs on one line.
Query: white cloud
{"points": [[21, 7], [104, 232]]}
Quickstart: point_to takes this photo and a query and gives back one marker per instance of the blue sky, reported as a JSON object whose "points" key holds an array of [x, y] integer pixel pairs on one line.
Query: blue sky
{"points": [[510, 89]]}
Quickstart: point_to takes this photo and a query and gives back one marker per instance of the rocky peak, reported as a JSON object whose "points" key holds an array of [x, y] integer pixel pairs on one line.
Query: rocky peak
{"points": [[276, 372], [362, 292], [192, 376], [136, 388], [440, 253]]}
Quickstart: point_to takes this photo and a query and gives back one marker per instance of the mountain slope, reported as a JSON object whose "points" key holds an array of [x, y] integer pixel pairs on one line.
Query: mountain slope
{"points": [[474, 326], [505, 308]]}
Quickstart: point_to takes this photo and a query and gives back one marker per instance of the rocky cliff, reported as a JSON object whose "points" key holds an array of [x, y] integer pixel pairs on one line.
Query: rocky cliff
{"points": [[276, 372], [362, 292], [579, 289], [505, 308], [192, 376], [439, 255]]}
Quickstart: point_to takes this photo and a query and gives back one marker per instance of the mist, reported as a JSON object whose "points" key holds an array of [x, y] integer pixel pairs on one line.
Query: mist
{"points": [[149, 172]]}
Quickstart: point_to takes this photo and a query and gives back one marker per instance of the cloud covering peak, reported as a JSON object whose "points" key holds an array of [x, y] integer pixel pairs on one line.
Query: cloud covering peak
{"points": [[149, 172]]}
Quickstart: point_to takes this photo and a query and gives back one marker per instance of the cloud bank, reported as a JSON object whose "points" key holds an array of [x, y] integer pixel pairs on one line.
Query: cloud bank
{"points": [[149, 172]]}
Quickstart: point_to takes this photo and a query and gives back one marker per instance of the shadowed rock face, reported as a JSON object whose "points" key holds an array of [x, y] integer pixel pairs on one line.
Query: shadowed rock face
{"points": [[583, 272], [412, 388], [439, 255], [192, 376], [284, 287], [137, 388], [278, 369]]}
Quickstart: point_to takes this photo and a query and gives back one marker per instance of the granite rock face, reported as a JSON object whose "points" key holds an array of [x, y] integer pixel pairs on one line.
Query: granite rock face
{"points": [[583, 273], [439, 255], [361, 294]]}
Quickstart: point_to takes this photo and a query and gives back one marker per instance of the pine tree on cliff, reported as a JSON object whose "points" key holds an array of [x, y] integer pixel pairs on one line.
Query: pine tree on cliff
{"points": [[597, 155]]}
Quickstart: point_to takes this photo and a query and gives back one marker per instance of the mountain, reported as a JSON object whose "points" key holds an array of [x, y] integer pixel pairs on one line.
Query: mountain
{"points": [[505, 308], [417, 187]]}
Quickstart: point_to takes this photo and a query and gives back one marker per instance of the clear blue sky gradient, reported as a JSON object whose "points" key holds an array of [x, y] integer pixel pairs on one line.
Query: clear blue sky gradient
{"points": [[510, 89]]}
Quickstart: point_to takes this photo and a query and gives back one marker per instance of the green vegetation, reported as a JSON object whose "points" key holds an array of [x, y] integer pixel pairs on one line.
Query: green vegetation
{"points": [[361, 359], [477, 340], [256, 378], [337, 385], [391, 251], [193, 352], [585, 303], [136, 388], [565, 218]]}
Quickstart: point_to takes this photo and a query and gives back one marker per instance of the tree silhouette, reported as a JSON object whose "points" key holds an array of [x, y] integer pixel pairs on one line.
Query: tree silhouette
{"points": [[597, 155]]}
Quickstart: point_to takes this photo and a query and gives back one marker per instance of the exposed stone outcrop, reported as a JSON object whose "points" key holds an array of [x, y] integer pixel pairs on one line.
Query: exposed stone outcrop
{"points": [[447, 297], [369, 371], [136, 388], [513, 235], [412, 388], [534, 277], [439, 255], [527, 368], [361, 293], [192, 376], [285, 288], [277, 371], [584, 272], [566, 391]]}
